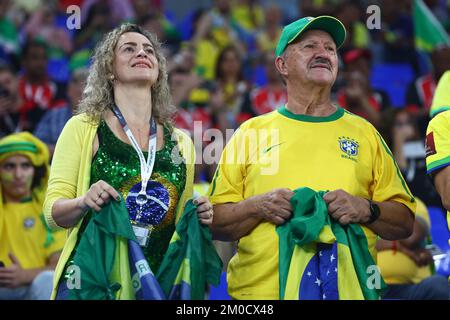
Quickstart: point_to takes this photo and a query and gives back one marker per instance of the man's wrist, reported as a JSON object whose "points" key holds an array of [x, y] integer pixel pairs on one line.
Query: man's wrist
{"points": [[374, 212]]}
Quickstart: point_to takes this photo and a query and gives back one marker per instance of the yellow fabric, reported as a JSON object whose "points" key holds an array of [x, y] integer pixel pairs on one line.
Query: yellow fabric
{"points": [[38, 158], [278, 151], [397, 267], [24, 235], [441, 99], [206, 54], [361, 36], [69, 178], [439, 127], [242, 14]]}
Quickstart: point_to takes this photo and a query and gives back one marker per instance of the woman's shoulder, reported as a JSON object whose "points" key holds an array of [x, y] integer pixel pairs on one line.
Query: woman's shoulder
{"points": [[81, 122]]}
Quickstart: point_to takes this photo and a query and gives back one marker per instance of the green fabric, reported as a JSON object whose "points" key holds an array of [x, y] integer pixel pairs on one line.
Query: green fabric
{"points": [[95, 253], [49, 238], [428, 32], [195, 244], [310, 215]]}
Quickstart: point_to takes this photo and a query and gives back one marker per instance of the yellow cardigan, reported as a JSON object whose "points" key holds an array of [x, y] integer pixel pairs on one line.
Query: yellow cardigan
{"points": [[70, 178]]}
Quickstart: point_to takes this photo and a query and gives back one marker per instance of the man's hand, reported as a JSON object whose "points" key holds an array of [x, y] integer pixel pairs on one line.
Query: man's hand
{"points": [[275, 206], [13, 276], [346, 208]]}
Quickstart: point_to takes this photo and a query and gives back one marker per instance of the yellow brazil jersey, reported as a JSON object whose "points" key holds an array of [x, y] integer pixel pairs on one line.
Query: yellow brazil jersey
{"points": [[438, 145], [441, 99], [398, 268], [24, 234], [284, 150]]}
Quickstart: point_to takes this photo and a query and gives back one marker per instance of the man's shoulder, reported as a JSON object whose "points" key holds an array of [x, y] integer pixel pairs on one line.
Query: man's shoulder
{"points": [[355, 120], [441, 119], [259, 121]]}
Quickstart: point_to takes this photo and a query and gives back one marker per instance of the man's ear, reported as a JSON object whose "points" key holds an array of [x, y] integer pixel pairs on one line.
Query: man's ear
{"points": [[280, 64]]}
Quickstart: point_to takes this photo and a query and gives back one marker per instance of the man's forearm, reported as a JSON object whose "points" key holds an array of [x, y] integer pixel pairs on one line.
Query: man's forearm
{"points": [[235, 220], [395, 222]]}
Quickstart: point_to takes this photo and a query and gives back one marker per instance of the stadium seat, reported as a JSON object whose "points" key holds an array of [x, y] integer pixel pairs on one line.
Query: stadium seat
{"points": [[394, 80], [220, 292], [58, 69], [439, 229]]}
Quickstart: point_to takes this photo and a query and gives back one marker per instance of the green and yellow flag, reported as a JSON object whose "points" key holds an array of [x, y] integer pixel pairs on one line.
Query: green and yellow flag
{"points": [[428, 31], [320, 259]]}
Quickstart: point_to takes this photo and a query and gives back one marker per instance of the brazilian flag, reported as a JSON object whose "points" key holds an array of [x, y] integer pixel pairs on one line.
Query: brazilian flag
{"points": [[189, 264], [428, 32], [322, 260]]}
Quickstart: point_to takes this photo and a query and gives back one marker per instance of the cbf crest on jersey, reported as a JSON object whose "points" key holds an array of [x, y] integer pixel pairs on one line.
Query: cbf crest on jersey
{"points": [[349, 146]]}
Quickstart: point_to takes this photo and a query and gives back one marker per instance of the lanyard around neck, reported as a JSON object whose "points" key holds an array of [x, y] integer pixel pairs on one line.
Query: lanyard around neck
{"points": [[146, 166]]}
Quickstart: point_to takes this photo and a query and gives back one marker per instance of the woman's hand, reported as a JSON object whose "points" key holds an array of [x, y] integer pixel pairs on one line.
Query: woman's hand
{"points": [[99, 194], [205, 211]]}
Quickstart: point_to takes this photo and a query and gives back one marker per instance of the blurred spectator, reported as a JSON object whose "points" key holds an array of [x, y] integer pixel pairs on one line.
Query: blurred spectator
{"points": [[42, 25], [230, 79], [118, 10], [248, 14], [358, 96], [406, 264], [349, 13], [96, 24], [37, 91], [9, 37], [314, 8], [10, 101], [52, 122], [400, 131], [164, 30], [267, 38], [272, 95], [29, 250], [396, 34], [421, 91]]}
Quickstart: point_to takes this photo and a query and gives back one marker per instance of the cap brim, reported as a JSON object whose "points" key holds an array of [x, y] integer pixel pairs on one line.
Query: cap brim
{"points": [[328, 24]]}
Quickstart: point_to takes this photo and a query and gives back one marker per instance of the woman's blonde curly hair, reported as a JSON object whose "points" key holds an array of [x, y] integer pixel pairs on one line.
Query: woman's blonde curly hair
{"points": [[98, 94]]}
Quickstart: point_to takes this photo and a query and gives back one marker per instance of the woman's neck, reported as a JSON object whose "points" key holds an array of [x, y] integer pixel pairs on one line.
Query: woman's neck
{"points": [[135, 103]]}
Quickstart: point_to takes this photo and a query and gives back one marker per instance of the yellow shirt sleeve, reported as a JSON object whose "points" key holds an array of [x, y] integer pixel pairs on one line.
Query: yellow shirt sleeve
{"points": [[228, 181], [389, 184], [72, 154], [441, 99], [438, 142]]}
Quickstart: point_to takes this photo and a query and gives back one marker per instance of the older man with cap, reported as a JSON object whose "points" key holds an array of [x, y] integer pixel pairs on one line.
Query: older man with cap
{"points": [[309, 142], [29, 251]]}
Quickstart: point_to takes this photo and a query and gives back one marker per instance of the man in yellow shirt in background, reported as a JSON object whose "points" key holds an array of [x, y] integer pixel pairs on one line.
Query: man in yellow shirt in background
{"points": [[406, 265], [29, 251]]}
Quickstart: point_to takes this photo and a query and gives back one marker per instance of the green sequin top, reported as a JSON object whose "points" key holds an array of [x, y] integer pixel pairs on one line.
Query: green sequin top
{"points": [[117, 163]]}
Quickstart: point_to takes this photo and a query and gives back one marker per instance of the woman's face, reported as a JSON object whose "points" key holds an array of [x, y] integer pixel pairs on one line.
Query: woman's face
{"points": [[16, 177], [135, 60], [230, 64]]}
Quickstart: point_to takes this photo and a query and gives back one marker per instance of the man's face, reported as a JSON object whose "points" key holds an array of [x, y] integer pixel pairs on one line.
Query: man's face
{"points": [[16, 177], [312, 59], [36, 62]]}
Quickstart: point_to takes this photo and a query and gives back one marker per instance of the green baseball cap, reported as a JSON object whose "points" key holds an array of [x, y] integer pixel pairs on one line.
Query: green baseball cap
{"points": [[326, 23]]}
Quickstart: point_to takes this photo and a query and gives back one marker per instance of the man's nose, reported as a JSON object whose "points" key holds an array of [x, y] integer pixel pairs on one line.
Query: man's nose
{"points": [[18, 173]]}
